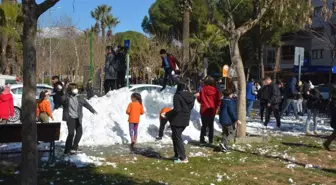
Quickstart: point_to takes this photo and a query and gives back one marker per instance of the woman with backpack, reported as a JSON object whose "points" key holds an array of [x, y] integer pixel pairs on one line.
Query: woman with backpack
{"points": [[313, 101]]}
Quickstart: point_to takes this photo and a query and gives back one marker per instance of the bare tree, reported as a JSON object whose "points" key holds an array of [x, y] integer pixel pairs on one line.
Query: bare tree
{"points": [[234, 33], [29, 160]]}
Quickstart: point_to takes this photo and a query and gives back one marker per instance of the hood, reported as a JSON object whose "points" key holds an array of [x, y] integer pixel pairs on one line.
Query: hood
{"points": [[6, 97], [293, 80], [188, 97], [209, 90]]}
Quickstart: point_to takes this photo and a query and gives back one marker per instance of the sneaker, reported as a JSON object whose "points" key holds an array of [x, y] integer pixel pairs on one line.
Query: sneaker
{"points": [[69, 152], [158, 138], [265, 124], [223, 147], [174, 158], [203, 143], [326, 146], [179, 161], [132, 146]]}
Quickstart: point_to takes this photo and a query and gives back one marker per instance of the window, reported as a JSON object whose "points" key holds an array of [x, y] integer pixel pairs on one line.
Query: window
{"points": [[17, 91], [287, 52], [271, 57], [317, 11], [317, 54]]}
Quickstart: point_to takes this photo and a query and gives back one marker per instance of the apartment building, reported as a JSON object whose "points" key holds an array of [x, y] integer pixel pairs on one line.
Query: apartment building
{"points": [[319, 43]]}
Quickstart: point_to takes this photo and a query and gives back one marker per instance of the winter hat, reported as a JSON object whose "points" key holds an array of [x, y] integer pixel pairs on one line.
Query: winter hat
{"points": [[311, 85]]}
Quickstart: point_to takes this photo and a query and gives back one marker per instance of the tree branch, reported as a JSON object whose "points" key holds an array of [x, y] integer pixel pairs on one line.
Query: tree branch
{"points": [[44, 6], [252, 22]]}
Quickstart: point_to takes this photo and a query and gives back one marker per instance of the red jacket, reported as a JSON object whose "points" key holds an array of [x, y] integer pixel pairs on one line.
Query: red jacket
{"points": [[6, 106], [172, 62], [210, 100]]}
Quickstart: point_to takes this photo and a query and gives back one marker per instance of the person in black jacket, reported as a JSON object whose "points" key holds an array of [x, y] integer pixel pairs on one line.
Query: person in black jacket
{"points": [[263, 97], [110, 70], [73, 115], [121, 59], [179, 119], [289, 96], [313, 101], [273, 101], [57, 92], [332, 98]]}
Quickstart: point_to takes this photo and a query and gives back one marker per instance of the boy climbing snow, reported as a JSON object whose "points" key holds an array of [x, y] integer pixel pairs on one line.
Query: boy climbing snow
{"points": [[228, 119], [134, 110], [163, 122]]}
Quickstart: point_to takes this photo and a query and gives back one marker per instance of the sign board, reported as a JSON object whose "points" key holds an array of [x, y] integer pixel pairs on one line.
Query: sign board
{"points": [[299, 56], [127, 44], [226, 71]]}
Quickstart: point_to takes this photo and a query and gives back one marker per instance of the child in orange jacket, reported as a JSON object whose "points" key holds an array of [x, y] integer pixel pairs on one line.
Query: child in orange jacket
{"points": [[134, 110], [43, 109], [163, 122]]}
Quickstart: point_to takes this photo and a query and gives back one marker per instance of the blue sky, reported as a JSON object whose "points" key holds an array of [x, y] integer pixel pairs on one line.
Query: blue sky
{"points": [[129, 12]]}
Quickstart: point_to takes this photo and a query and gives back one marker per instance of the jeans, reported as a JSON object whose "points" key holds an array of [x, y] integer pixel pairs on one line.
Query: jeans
{"points": [[228, 133], [121, 79], [249, 106], [178, 142], [167, 78], [275, 109], [286, 105], [311, 112], [163, 123], [73, 126], [207, 122], [300, 106]]}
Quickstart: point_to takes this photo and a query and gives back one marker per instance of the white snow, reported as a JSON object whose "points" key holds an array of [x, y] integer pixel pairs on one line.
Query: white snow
{"points": [[111, 127]]}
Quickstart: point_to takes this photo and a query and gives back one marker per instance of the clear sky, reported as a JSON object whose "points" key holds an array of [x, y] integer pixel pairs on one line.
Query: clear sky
{"points": [[129, 12]]}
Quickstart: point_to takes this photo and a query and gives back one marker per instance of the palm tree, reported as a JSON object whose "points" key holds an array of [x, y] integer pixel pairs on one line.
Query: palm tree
{"points": [[103, 11], [96, 16], [110, 22]]}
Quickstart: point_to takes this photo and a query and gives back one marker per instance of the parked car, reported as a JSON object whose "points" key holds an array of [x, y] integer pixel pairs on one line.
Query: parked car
{"points": [[17, 90], [144, 87], [7, 79]]}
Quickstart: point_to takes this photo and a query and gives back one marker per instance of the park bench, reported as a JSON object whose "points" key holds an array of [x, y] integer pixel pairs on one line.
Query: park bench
{"points": [[46, 132]]}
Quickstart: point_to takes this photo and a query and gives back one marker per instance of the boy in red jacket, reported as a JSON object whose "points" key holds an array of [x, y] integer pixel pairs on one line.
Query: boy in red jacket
{"points": [[210, 99]]}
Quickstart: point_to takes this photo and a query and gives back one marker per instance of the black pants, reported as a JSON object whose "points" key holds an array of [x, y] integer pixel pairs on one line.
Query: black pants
{"points": [[178, 142], [110, 85], [73, 126], [275, 109], [207, 122], [121, 79], [262, 110], [331, 138], [167, 78], [163, 123]]}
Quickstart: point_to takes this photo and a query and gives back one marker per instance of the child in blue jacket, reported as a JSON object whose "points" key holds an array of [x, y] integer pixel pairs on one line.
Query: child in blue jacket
{"points": [[227, 118]]}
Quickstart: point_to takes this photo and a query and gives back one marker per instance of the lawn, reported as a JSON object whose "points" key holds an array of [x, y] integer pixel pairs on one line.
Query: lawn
{"points": [[283, 160]]}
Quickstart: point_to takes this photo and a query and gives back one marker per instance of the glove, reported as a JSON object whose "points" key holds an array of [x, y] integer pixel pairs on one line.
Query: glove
{"points": [[59, 87], [163, 115], [173, 72]]}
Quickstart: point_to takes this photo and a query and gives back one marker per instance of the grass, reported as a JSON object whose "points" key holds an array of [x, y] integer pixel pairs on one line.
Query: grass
{"points": [[246, 164]]}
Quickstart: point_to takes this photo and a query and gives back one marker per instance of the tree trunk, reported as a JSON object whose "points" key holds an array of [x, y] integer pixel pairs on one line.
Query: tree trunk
{"points": [[29, 158], [186, 35], [237, 61], [261, 58], [277, 61], [77, 61], [103, 32], [4, 42]]}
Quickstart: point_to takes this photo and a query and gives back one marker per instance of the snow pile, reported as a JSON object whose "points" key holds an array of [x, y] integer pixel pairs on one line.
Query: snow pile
{"points": [[110, 126]]}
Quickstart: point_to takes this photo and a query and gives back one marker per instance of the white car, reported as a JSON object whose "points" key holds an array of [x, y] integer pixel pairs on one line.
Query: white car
{"points": [[144, 87], [17, 90]]}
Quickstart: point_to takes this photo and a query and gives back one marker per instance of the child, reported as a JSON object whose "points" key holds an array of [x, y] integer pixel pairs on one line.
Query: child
{"points": [[227, 118], [134, 110], [163, 122], [73, 115], [43, 109]]}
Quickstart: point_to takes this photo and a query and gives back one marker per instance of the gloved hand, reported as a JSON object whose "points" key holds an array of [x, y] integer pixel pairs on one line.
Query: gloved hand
{"points": [[173, 72], [163, 115], [59, 87]]}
